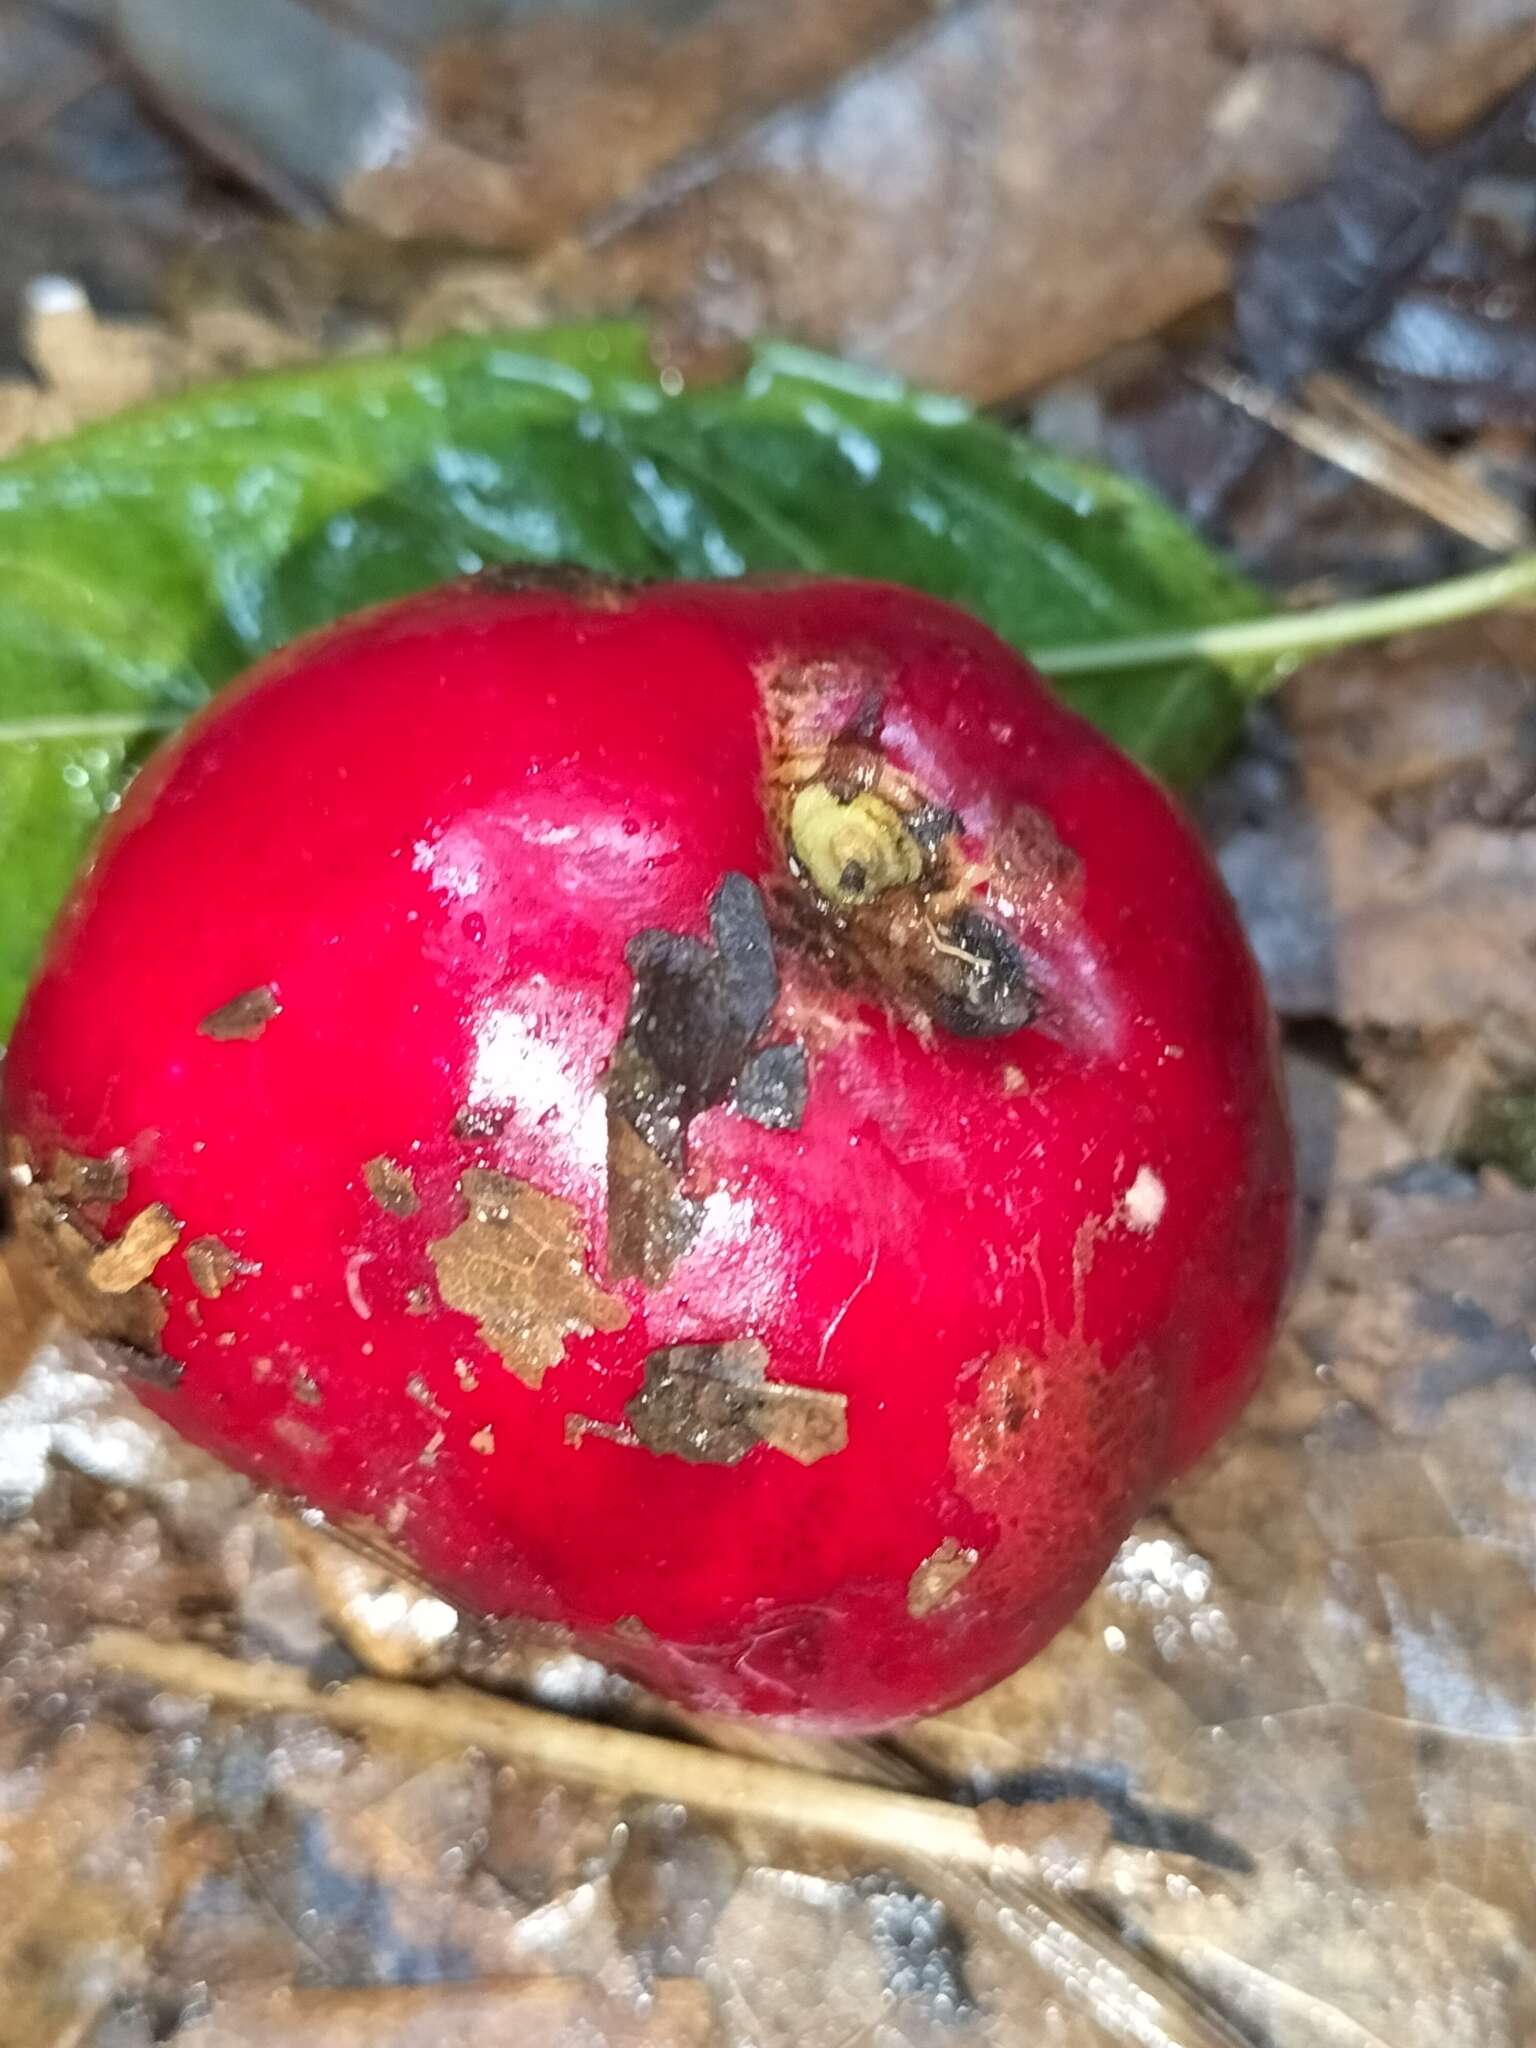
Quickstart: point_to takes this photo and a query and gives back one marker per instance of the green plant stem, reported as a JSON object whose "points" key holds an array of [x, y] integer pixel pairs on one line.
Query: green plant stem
{"points": [[1297, 634], [1283, 636], [90, 725]]}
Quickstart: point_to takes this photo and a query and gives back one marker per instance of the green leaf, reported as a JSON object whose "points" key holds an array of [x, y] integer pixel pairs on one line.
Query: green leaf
{"points": [[147, 560]]}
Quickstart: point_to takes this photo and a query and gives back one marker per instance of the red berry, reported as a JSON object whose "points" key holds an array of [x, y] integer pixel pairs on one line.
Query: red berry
{"points": [[723, 1117]]}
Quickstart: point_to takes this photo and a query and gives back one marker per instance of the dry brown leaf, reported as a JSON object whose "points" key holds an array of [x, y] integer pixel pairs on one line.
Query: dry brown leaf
{"points": [[24, 1316], [552, 2013], [933, 210], [552, 124], [981, 193], [87, 1873], [1384, 857]]}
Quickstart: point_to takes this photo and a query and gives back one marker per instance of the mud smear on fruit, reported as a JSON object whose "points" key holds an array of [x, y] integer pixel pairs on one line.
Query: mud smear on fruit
{"points": [[391, 1187], [212, 1266], [75, 1178], [518, 1265], [692, 1039], [938, 1576], [710, 1404], [245, 1016], [886, 889], [102, 1287]]}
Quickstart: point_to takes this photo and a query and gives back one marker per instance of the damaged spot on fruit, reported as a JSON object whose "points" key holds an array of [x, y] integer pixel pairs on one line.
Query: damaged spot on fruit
{"points": [[852, 849], [937, 1577], [244, 1016], [691, 1040], [978, 985], [1144, 1201], [130, 1258], [893, 890], [651, 1222], [212, 1266], [418, 1301], [517, 1264], [798, 691], [712, 1403], [773, 1087], [391, 1186], [1046, 1433], [75, 1178], [305, 1390], [987, 1432], [484, 1441]]}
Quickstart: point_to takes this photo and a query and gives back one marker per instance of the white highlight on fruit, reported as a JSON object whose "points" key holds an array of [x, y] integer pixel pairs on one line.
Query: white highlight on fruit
{"points": [[452, 873], [1144, 1201], [516, 1067]]}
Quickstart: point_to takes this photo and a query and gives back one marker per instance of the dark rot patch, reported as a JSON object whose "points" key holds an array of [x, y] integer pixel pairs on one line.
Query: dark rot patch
{"points": [[691, 1040], [772, 1086], [898, 893], [824, 1075], [978, 984]]}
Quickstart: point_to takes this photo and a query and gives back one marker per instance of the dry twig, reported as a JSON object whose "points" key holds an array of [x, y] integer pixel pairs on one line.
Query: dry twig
{"points": [[1343, 428], [1132, 1998]]}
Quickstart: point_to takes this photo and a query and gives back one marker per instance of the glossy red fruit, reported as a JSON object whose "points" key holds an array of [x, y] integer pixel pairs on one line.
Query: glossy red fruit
{"points": [[722, 1117]]}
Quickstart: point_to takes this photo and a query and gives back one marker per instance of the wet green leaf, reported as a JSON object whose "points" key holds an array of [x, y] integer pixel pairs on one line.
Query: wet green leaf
{"points": [[147, 560]]}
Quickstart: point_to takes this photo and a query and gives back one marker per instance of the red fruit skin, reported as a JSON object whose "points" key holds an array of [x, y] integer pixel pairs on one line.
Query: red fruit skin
{"points": [[1042, 1267]]}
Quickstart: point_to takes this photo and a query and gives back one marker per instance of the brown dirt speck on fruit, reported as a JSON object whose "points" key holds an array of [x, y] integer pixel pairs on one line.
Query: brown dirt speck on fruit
{"points": [[244, 1016], [517, 1264]]}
